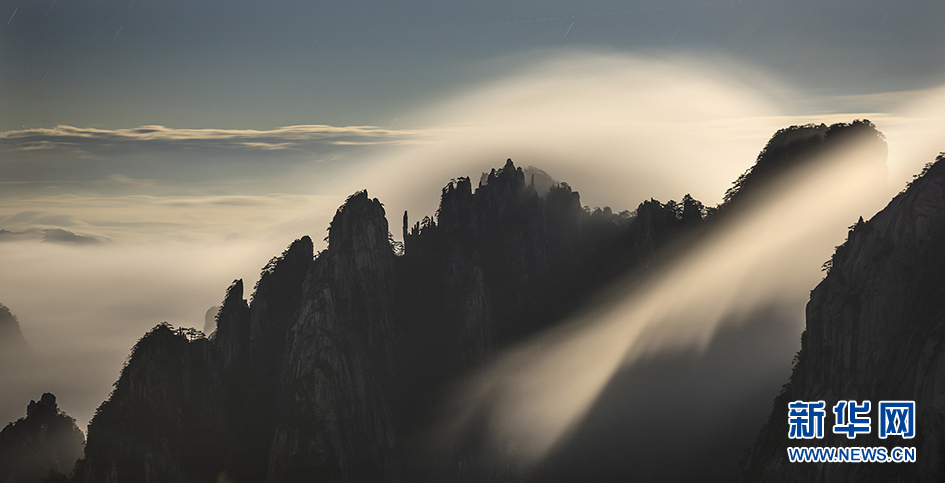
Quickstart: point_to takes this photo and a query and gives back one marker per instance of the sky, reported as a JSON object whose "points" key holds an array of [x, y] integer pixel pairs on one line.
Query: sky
{"points": [[152, 152], [264, 65]]}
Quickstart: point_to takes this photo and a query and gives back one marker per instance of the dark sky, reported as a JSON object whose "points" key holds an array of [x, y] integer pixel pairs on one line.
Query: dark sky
{"points": [[242, 64]]}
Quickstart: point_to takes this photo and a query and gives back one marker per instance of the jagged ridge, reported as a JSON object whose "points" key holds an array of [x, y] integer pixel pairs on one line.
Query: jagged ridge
{"points": [[325, 372]]}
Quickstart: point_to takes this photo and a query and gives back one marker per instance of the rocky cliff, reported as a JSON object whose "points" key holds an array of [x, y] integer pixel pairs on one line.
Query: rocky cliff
{"points": [[45, 443], [875, 331], [335, 422], [167, 418]]}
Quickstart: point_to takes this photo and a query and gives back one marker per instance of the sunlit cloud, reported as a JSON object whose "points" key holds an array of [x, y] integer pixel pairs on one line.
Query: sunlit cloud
{"points": [[533, 396], [620, 129]]}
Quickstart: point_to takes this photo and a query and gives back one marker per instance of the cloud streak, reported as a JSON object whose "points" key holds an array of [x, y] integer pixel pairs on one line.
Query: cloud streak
{"points": [[161, 137]]}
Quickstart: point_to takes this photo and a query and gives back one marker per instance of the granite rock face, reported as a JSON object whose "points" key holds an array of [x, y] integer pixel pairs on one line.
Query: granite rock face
{"points": [[45, 443], [335, 422], [875, 331]]}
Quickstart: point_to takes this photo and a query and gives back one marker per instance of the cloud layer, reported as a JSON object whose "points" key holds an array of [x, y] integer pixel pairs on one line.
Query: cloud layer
{"points": [[159, 161]]}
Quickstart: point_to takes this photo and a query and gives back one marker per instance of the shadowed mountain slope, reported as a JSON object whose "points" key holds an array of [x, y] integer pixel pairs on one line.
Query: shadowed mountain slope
{"points": [[875, 331]]}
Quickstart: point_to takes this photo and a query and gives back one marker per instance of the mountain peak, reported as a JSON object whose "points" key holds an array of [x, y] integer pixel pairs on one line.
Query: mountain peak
{"points": [[797, 146], [45, 408], [358, 224]]}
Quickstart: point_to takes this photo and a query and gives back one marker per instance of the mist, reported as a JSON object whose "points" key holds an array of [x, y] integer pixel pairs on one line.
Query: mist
{"points": [[767, 256], [620, 129]]}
